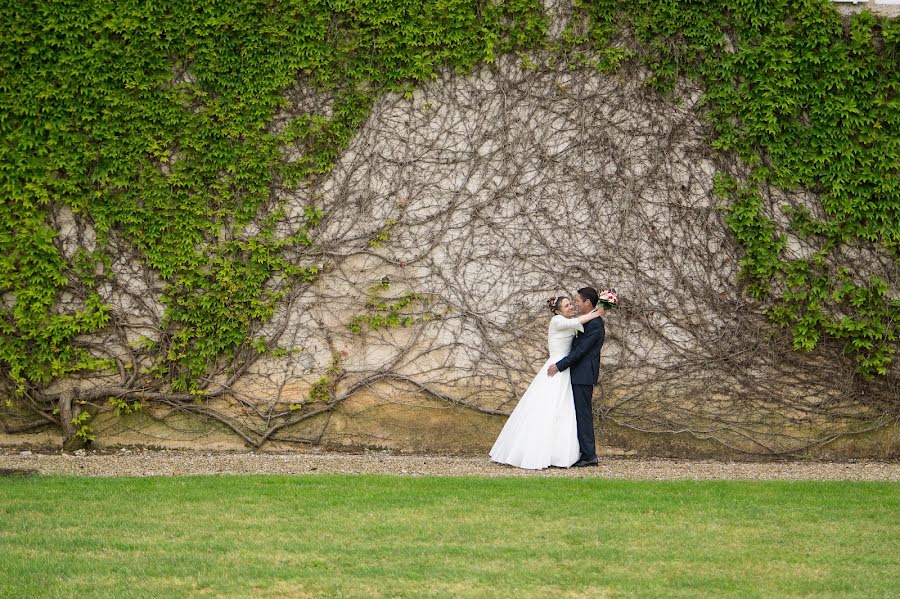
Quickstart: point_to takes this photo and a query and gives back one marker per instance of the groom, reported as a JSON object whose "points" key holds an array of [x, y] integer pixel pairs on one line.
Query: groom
{"points": [[584, 360]]}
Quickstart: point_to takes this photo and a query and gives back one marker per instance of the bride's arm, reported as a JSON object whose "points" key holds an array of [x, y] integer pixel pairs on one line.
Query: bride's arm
{"points": [[595, 313]]}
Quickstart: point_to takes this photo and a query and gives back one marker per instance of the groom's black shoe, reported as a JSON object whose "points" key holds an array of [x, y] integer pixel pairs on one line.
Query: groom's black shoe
{"points": [[581, 463]]}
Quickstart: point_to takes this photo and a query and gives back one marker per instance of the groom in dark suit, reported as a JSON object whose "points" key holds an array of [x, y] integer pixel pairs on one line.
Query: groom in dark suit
{"points": [[584, 360]]}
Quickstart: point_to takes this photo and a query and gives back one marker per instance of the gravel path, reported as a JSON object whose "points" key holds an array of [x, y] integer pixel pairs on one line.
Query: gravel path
{"points": [[178, 463]]}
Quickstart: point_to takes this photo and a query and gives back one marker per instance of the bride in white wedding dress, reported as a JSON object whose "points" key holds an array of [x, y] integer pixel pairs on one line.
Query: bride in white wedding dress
{"points": [[541, 431]]}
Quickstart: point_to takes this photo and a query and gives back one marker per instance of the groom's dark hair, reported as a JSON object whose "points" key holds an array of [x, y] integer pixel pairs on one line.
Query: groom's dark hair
{"points": [[590, 294]]}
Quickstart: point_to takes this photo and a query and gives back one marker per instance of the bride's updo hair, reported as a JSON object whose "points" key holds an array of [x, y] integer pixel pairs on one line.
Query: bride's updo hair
{"points": [[554, 302]]}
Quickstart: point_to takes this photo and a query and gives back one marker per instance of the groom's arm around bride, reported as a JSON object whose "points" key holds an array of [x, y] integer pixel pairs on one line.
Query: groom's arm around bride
{"points": [[592, 339]]}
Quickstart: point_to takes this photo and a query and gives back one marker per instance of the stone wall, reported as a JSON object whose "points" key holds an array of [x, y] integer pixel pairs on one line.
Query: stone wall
{"points": [[466, 204]]}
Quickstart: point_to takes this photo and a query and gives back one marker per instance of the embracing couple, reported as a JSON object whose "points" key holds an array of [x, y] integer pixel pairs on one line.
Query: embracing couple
{"points": [[553, 423]]}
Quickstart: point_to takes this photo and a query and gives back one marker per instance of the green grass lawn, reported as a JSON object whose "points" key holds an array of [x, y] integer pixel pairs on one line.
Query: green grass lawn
{"points": [[360, 536]]}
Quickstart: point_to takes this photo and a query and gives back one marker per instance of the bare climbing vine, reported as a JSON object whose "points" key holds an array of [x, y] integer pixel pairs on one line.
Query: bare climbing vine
{"points": [[407, 270]]}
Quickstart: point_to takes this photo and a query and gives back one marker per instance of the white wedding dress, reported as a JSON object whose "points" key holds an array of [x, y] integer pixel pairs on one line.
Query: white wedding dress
{"points": [[541, 431]]}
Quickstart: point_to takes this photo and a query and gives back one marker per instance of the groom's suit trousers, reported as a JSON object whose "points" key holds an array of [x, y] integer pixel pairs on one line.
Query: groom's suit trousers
{"points": [[584, 415]]}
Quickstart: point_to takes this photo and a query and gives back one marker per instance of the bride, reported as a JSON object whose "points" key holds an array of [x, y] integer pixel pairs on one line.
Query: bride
{"points": [[541, 431]]}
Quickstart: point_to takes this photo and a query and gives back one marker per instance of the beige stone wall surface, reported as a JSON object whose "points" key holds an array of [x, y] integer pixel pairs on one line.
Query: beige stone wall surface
{"points": [[484, 194]]}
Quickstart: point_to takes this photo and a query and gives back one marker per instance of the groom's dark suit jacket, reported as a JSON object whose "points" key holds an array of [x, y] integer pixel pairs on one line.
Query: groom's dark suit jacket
{"points": [[584, 357]]}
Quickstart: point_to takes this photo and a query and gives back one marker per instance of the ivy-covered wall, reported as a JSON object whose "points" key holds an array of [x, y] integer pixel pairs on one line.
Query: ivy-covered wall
{"points": [[197, 217], [805, 103]]}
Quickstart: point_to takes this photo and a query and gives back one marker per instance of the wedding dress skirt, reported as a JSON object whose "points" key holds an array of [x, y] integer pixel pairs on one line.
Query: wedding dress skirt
{"points": [[542, 431]]}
